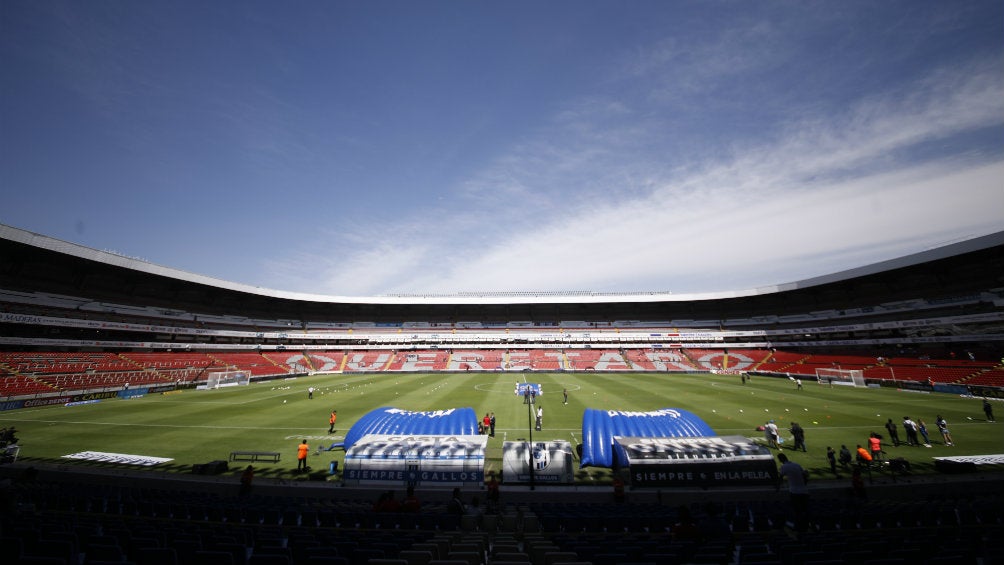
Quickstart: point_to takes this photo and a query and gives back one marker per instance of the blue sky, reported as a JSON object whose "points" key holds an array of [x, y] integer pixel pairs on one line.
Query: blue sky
{"points": [[369, 148]]}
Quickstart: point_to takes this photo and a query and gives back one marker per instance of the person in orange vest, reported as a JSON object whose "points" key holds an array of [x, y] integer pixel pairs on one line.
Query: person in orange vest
{"points": [[864, 457], [331, 421], [301, 456], [875, 445]]}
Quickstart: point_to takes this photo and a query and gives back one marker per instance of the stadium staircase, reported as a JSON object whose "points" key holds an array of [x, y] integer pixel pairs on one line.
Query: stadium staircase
{"points": [[686, 355], [216, 360], [276, 364], [125, 359], [309, 361], [993, 376], [15, 384], [758, 364]]}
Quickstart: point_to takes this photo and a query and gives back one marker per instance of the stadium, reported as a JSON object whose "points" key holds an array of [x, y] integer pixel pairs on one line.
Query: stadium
{"points": [[136, 394]]}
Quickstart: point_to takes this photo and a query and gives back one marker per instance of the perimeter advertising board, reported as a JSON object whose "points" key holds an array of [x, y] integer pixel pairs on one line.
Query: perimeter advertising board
{"points": [[551, 462], [698, 461], [405, 459]]}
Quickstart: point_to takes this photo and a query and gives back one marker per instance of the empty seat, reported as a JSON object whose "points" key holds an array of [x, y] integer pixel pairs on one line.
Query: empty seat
{"points": [[469, 557], [511, 556], [415, 556], [553, 557], [156, 556], [269, 559]]}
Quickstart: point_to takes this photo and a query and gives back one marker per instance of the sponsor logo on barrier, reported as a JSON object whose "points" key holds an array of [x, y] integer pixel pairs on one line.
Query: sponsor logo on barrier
{"points": [[82, 402], [47, 401], [975, 459], [665, 412], [12, 405], [665, 477], [433, 414], [132, 393], [424, 476], [443, 459], [697, 461], [120, 458], [93, 396]]}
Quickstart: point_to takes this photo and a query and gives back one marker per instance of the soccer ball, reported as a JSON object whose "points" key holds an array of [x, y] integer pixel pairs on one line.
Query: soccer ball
{"points": [[283, 401]]}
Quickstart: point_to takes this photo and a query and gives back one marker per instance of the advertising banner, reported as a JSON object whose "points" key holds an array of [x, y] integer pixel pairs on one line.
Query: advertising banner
{"points": [[698, 461], [420, 460], [551, 462]]}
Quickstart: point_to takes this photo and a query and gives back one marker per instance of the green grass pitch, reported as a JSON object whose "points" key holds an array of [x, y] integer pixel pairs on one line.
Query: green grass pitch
{"points": [[194, 426]]}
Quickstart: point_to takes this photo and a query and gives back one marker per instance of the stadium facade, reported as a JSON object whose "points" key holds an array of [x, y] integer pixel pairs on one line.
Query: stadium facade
{"points": [[945, 304]]}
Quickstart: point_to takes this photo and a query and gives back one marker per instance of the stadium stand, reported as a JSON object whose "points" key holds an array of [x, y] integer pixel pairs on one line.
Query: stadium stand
{"points": [[30, 374], [471, 359], [925, 320], [255, 363], [132, 521]]}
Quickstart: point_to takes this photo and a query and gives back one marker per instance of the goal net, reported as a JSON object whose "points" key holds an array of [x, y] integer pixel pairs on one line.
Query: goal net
{"points": [[219, 379], [848, 377]]}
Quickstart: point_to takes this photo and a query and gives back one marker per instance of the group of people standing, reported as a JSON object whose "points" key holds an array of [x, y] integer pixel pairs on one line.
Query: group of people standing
{"points": [[915, 430], [773, 435], [530, 397], [873, 451], [487, 425], [864, 456]]}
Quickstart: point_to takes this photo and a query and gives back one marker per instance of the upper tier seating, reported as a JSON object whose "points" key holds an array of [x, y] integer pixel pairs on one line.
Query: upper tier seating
{"points": [[592, 359], [63, 362], [254, 363], [420, 360]]}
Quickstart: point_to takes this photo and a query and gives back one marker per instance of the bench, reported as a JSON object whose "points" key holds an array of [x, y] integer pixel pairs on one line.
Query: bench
{"points": [[254, 455]]}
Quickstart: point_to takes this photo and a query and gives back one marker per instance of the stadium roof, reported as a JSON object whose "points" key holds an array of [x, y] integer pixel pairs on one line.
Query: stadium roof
{"points": [[35, 262]]}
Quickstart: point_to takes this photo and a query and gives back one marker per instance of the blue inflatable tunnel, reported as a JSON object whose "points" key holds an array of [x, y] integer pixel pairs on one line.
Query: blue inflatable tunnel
{"points": [[387, 420], [599, 427]]}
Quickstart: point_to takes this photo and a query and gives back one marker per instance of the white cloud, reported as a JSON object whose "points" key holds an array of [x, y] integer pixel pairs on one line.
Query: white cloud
{"points": [[728, 239], [573, 208]]}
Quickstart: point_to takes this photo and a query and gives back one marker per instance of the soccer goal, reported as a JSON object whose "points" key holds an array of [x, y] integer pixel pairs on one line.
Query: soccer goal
{"points": [[219, 379], [847, 377]]}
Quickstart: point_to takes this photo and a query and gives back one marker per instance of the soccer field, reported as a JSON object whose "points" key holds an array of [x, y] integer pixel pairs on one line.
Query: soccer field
{"points": [[193, 426]]}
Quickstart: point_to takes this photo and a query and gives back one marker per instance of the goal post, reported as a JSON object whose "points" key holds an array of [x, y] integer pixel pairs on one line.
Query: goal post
{"points": [[847, 377], [234, 377]]}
